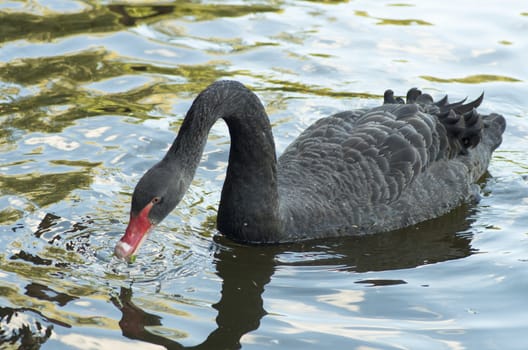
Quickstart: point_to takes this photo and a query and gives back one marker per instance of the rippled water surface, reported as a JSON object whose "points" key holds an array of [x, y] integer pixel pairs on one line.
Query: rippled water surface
{"points": [[92, 94]]}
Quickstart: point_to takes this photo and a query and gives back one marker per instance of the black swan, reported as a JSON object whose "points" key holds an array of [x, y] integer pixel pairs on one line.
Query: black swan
{"points": [[355, 172]]}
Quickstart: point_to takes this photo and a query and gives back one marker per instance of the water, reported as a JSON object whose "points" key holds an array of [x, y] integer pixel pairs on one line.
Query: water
{"points": [[91, 95]]}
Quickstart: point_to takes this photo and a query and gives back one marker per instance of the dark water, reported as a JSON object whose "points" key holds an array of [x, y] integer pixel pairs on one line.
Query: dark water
{"points": [[91, 94]]}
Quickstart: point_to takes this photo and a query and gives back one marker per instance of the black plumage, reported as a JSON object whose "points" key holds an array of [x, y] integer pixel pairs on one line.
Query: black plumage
{"points": [[355, 172]]}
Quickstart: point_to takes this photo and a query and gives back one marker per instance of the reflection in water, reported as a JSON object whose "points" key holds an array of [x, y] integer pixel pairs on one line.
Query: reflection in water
{"points": [[44, 189], [473, 79], [398, 22], [130, 15], [39, 291], [100, 19], [53, 228], [134, 320], [27, 328], [245, 271], [432, 241]]}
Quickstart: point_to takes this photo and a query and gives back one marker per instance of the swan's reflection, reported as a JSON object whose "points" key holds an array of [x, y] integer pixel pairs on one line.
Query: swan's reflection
{"points": [[29, 327], [245, 270]]}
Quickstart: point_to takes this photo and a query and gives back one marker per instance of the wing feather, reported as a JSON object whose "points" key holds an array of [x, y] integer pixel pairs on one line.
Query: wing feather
{"points": [[375, 154]]}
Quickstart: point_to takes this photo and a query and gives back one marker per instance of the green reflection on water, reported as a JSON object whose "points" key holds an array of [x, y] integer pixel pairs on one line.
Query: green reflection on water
{"points": [[47, 276], [60, 99], [506, 157], [403, 22], [472, 79], [389, 21], [63, 99], [98, 19], [291, 86], [63, 96], [15, 26], [44, 189], [329, 1], [9, 215], [401, 5], [80, 66]]}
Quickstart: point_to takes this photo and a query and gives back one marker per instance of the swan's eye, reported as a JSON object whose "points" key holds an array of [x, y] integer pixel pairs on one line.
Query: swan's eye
{"points": [[155, 200]]}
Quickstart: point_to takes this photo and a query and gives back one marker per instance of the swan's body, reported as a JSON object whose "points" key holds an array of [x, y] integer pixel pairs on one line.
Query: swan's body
{"points": [[355, 172]]}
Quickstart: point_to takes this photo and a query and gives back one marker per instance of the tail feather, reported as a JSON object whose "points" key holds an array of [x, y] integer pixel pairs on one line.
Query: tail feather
{"points": [[465, 127], [468, 107]]}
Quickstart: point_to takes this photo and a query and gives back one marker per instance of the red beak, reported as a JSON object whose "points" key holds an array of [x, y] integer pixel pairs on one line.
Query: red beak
{"points": [[136, 232]]}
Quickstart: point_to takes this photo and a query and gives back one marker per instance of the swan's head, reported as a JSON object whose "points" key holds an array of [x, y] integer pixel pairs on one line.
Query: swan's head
{"points": [[155, 196]]}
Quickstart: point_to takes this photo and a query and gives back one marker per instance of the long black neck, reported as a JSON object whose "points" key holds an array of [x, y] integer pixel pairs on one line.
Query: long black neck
{"points": [[249, 206]]}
